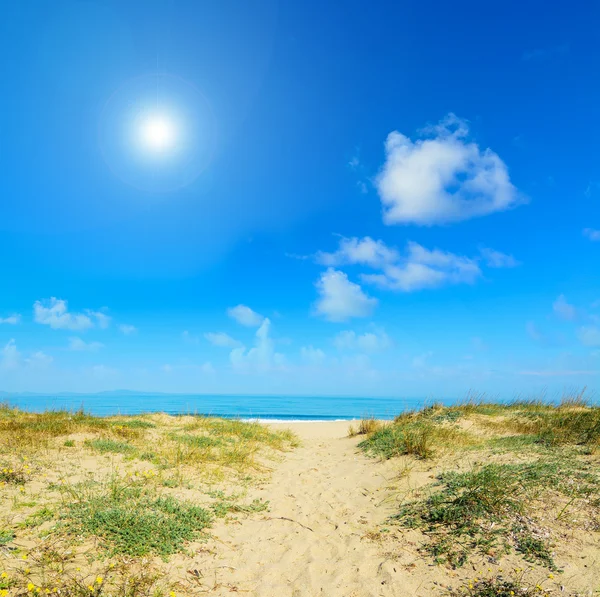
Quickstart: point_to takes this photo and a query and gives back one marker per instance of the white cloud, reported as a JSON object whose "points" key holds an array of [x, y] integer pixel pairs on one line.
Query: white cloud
{"points": [[80, 345], [374, 341], [364, 251], [54, 313], [262, 357], [420, 361], [593, 235], [563, 309], [589, 335], [442, 179], [11, 357], [39, 359], [341, 299], [13, 319], [245, 316], [423, 268], [127, 329], [311, 355], [207, 368], [222, 339], [101, 318], [496, 259]]}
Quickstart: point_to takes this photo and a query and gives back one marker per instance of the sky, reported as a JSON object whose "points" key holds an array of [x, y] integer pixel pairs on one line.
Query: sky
{"points": [[342, 198]]}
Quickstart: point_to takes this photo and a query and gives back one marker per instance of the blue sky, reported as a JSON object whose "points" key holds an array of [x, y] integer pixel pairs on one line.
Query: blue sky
{"points": [[359, 198]]}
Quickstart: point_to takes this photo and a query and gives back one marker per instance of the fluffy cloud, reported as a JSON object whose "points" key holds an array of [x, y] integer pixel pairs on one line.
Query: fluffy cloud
{"points": [[245, 316], [423, 268], [442, 178], [496, 259], [311, 355], [368, 342], [13, 319], [365, 251], [593, 235], [563, 309], [262, 357], [78, 344], [127, 329], [222, 339], [341, 299], [54, 313], [589, 335]]}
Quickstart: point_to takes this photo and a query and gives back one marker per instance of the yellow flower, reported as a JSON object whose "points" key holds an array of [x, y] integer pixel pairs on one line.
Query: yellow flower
{"points": [[538, 587], [550, 575], [172, 594], [30, 586], [470, 585], [47, 591], [91, 589], [4, 593], [38, 590], [4, 575], [27, 570], [24, 556], [99, 580], [78, 569]]}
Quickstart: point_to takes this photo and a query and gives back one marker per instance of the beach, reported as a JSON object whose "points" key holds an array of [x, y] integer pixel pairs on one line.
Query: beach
{"points": [[175, 506]]}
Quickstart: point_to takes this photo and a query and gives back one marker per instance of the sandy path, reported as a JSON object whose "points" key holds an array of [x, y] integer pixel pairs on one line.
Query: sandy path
{"points": [[331, 488]]}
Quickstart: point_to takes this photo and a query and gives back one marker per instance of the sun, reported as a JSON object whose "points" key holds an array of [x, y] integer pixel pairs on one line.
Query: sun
{"points": [[158, 133]]}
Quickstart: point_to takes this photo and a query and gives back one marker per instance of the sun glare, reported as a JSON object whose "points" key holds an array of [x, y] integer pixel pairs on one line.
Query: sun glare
{"points": [[158, 133]]}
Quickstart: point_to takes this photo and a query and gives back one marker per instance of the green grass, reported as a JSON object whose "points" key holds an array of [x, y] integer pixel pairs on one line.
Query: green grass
{"points": [[416, 436], [105, 445], [6, 537], [133, 520], [458, 512]]}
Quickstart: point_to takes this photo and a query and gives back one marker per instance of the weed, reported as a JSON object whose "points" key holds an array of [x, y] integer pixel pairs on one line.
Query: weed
{"points": [[69, 443], [495, 587]]}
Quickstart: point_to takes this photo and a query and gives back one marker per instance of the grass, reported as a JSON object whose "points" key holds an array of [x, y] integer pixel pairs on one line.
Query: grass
{"points": [[415, 436], [497, 507], [488, 509], [131, 519], [105, 445]]}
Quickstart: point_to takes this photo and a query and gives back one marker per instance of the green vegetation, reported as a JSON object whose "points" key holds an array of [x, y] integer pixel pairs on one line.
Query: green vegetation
{"points": [[496, 507], [133, 519], [496, 587], [104, 445], [416, 436]]}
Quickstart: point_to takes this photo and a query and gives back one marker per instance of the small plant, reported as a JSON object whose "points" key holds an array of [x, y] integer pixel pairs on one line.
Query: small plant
{"points": [[132, 519], [16, 476], [69, 443], [104, 445], [496, 587]]}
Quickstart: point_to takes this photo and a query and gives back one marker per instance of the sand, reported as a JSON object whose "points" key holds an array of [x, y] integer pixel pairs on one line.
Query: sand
{"points": [[323, 499]]}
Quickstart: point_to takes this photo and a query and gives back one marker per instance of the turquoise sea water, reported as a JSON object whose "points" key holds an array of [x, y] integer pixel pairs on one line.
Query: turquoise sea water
{"points": [[284, 408]]}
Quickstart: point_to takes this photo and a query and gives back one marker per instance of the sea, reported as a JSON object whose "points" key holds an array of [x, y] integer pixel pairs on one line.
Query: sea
{"points": [[271, 408]]}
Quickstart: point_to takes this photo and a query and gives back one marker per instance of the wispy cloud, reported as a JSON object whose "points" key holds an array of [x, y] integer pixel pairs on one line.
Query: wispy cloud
{"points": [[589, 335], [10, 356], [444, 178], [78, 344], [374, 341], [13, 319], [245, 316], [592, 234], [222, 340], [422, 268], [563, 309], [496, 259], [340, 299], [127, 329]]}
